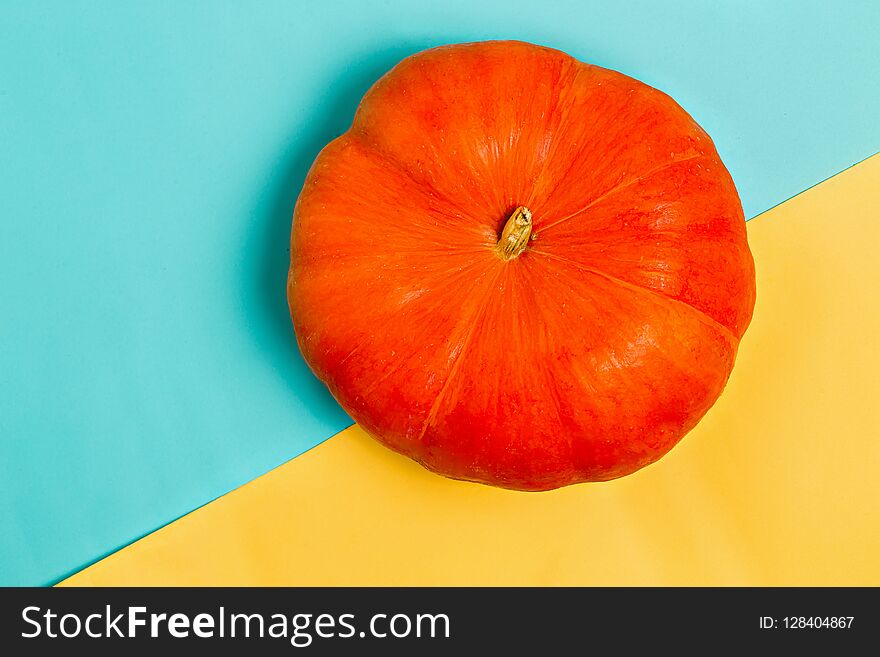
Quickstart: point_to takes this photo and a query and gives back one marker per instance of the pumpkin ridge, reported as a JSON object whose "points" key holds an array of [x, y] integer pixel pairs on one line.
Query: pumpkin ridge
{"points": [[468, 337], [544, 370], [563, 116], [361, 137], [703, 317], [622, 186], [582, 67]]}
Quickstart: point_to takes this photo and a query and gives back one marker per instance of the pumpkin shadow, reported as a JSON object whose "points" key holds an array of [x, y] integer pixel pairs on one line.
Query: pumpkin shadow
{"points": [[266, 284]]}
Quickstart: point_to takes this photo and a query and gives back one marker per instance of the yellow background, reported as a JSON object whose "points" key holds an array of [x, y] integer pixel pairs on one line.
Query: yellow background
{"points": [[778, 485]]}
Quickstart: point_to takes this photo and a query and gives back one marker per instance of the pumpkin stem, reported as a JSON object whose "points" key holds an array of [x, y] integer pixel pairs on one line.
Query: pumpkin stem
{"points": [[515, 235]]}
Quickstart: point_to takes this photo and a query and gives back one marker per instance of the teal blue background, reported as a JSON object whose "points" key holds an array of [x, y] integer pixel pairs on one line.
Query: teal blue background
{"points": [[150, 157]]}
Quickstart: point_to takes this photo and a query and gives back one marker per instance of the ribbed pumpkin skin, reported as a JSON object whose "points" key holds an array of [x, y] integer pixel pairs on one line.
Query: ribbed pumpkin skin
{"points": [[585, 358]]}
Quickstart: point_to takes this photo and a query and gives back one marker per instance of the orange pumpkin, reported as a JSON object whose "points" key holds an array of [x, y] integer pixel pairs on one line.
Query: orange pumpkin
{"points": [[520, 269]]}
